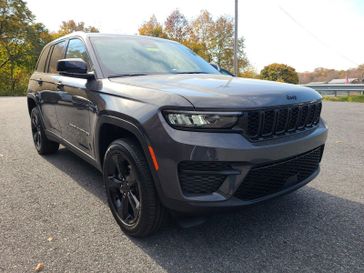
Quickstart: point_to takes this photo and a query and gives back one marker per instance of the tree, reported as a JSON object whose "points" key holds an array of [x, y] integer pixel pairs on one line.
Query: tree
{"points": [[222, 46], [325, 75], [201, 35], [20, 43], [177, 27], [70, 26], [211, 39], [279, 72], [152, 28], [249, 72], [214, 41]]}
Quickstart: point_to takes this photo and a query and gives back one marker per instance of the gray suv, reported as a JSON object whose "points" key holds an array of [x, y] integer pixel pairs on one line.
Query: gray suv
{"points": [[169, 131]]}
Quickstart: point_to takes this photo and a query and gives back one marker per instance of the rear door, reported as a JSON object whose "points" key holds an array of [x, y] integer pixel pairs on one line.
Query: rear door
{"points": [[46, 93], [36, 80], [74, 107]]}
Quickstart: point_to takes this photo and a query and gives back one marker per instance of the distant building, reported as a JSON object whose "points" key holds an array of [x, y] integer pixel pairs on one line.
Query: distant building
{"points": [[344, 81]]}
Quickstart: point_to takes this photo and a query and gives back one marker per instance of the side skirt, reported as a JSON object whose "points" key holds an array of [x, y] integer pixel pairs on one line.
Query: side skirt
{"points": [[52, 136]]}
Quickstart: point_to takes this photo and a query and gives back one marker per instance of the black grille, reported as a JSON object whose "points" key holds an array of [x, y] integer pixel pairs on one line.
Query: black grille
{"points": [[198, 177], [266, 124], [268, 179]]}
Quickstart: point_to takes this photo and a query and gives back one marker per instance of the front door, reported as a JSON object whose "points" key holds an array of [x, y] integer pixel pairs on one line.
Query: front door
{"points": [[74, 108]]}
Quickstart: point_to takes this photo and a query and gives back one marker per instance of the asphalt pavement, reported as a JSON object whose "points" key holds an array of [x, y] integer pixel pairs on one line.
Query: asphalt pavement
{"points": [[53, 211]]}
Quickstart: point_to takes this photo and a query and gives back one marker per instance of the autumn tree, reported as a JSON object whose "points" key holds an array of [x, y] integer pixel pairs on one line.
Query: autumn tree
{"points": [[201, 35], [152, 28], [177, 27], [21, 40], [325, 74], [211, 39], [249, 72], [279, 72], [223, 44], [71, 26]]}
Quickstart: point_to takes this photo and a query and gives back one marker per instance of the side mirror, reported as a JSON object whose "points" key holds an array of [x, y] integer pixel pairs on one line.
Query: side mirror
{"points": [[74, 67]]}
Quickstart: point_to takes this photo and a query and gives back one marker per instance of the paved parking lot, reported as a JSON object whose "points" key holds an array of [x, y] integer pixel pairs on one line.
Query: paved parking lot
{"points": [[319, 228]]}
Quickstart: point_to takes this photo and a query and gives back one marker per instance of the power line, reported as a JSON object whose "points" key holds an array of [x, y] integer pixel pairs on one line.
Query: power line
{"points": [[318, 39]]}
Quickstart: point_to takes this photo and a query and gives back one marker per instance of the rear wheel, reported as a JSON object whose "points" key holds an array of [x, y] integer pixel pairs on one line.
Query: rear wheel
{"points": [[130, 189], [42, 143]]}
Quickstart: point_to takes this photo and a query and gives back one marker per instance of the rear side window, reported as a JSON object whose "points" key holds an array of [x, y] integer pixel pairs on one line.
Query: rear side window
{"points": [[42, 60], [77, 49], [57, 54]]}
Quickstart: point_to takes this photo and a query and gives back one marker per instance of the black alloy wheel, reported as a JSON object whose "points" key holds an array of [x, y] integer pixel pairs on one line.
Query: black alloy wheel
{"points": [[130, 190], [36, 131], [124, 189]]}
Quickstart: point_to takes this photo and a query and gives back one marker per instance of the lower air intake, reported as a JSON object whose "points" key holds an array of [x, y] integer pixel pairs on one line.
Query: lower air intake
{"points": [[268, 179]]}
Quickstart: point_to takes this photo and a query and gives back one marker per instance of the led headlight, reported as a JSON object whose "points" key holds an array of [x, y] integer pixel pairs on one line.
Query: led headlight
{"points": [[202, 120]]}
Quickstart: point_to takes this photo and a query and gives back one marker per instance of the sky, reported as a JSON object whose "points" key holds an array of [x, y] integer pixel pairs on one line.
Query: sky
{"points": [[305, 34]]}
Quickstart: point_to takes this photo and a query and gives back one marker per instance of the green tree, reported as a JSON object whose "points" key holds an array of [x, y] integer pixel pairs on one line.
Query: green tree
{"points": [[280, 73], [152, 28]]}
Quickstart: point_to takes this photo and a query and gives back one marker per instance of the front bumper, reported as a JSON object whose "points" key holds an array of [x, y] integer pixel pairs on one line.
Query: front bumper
{"points": [[175, 146]]}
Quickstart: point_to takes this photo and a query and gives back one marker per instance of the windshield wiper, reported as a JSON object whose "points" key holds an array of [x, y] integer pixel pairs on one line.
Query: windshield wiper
{"points": [[144, 74], [127, 75], [190, 72]]}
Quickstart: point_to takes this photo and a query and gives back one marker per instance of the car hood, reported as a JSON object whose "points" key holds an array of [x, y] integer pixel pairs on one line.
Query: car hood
{"points": [[219, 91]]}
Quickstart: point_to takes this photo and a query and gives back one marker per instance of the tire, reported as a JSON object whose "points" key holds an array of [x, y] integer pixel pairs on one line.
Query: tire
{"points": [[42, 144], [130, 190]]}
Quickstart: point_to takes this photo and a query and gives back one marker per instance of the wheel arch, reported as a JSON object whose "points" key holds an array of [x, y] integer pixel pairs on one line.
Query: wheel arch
{"points": [[110, 128], [31, 103]]}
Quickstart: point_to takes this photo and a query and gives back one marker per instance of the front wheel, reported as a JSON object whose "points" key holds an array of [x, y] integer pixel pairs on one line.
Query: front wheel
{"points": [[130, 189]]}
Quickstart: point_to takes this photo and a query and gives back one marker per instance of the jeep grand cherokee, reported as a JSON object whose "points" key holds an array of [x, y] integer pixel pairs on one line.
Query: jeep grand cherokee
{"points": [[168, 130]]}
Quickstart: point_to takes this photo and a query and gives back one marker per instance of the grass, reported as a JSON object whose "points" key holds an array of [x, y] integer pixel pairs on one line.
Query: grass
{"points": [[359, 98]]}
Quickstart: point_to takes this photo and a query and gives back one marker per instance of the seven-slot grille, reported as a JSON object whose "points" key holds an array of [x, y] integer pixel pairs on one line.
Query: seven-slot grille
{"points": [[270, 123]]}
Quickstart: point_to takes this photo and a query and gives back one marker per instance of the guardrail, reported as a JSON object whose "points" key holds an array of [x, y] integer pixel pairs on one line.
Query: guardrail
{"points": [[335, 89]]}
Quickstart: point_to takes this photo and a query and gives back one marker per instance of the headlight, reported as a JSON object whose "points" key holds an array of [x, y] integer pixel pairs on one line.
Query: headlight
{"points": [[201, 120]]}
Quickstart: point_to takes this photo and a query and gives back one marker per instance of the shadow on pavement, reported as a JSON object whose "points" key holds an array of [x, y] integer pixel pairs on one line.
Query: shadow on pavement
{"points": [[307, 230]]}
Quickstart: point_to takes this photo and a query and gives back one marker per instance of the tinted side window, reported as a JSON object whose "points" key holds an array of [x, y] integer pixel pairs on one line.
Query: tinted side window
{"points": [[77, 49], [57, 54], [42, 60]]}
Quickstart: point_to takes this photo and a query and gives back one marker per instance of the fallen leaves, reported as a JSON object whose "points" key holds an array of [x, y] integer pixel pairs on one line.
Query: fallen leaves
{"points": [[39, 267]]}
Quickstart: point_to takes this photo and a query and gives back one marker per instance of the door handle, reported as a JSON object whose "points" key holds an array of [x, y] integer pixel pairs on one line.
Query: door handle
{"points": [[60, 85], [80, 102], [39, 81], [83, 103]]}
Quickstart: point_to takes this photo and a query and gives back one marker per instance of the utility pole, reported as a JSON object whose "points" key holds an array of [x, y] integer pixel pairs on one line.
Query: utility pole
{"points": [[236, 68]]}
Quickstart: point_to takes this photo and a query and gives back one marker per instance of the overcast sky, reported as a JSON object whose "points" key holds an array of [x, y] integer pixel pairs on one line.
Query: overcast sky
{"points": [[302, 33]]}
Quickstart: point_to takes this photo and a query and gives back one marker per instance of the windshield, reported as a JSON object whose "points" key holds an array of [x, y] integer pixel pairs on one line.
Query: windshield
{"points": [[128, 56]]}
